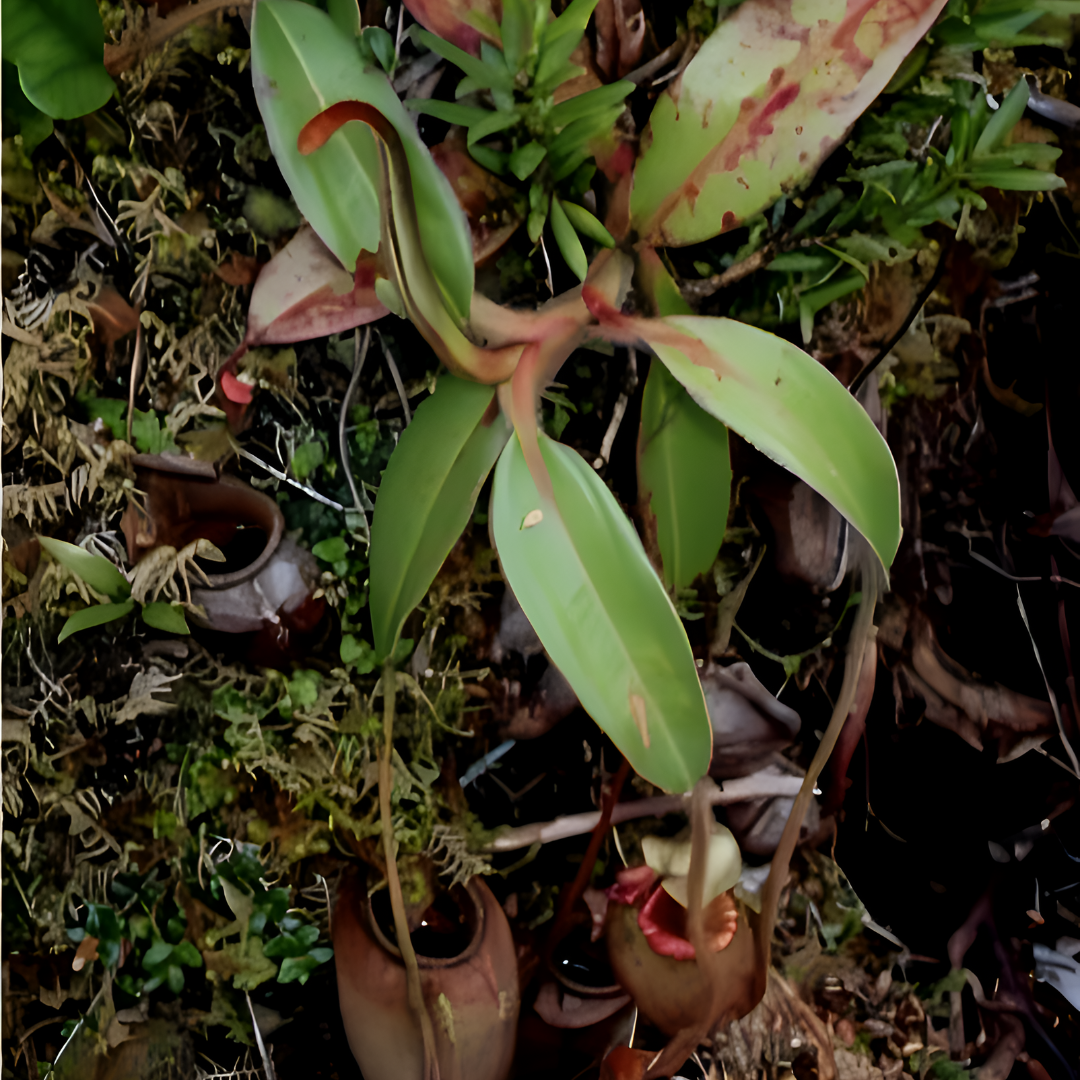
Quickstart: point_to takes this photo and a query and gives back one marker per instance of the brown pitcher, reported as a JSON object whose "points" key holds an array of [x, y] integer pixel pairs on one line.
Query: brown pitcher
{"points": [[472, 996]]}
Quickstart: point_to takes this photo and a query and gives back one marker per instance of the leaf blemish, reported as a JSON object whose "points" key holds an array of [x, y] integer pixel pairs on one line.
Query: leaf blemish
{"points": [[637, 711], [533, 517]]}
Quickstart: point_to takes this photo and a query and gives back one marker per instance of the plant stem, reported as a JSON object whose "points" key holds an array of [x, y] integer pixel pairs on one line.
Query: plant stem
{"points": [[861, 634], [397, 900]]}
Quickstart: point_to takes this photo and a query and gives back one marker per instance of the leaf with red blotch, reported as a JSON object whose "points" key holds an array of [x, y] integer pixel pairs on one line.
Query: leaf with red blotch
{"points": [[458, 21], [767, 98], [304, 292], [482, 195]]}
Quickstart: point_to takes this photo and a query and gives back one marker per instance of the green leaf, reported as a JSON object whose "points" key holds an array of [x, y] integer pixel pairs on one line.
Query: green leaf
{"points": [[157, 954], [381, 45], [296, 943], [1004, 120], [333, 549], [94, 616], [517, 28], [168, 617], [150, 435], [486, 75], [102, 923], [524, 159], [346, 14], [786, 404], [308, 457], [684, 466], [767, 97], [427, 496], [59, 47], [587, 225], [813, 300], [592, 101], [1016, 179], [300, 967], [584, 582], [495, 121], [358, 653], [302, 63], [95, 570], [568, 241], [560, 39], [33, 125], [450, 111]]}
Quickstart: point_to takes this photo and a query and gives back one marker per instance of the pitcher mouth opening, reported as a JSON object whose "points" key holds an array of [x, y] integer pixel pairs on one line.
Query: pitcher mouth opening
{"points": [[449, 932], [183, 502], [582, 966]]}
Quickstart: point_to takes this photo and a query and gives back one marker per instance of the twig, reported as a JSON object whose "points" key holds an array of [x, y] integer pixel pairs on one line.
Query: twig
{"points": [[360, 350], [267, 1060], [134, 380], [920, 303], [136, 359], [699, 290], [646, 71], [861, 634], [758, 786], [1049, 689], [134, 46], [397, 900], [278, 474], [396, 376], [609, 800], [629, 385]]}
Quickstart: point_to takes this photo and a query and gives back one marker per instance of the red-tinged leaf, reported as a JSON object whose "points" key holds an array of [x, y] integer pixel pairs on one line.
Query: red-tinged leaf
{"points": [[483, 196], [783, 402], [304, 292], [767, 98], [303, 62], [404, 260], [457, 21]]}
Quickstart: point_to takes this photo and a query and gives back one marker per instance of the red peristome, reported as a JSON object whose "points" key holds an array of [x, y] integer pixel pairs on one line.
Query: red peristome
{"points": [[663, 922], [631, 885], [319, 128], [235, 390]]}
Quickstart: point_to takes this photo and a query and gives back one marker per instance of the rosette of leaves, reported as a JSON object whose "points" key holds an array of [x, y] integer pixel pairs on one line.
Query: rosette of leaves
{"points": [[550, 145], [780, 85], [113, 590], [268, 929]]}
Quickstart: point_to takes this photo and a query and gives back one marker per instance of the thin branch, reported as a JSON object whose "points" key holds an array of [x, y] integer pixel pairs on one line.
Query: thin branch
{"points": [[278, 474], [746, 788], [361, 501], [920, 303], [698, 290], [1049, 689], [136, 45], [267, 1060], [396, 376]]}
